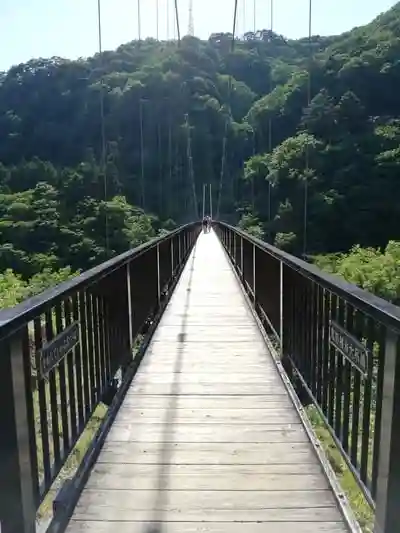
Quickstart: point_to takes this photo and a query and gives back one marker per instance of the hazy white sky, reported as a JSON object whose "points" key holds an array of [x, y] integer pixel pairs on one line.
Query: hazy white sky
{"points": [[68, 28]]}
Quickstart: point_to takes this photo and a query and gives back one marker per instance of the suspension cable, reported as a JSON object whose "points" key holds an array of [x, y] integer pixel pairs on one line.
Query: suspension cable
{"points": [[253, 130], [177, 22], [270, 124], [244, 17], [168, 16], [221, 178], [305, 214], [103, 128], [225, 138], [190, 167], [252, 177], [142, 183], [160, 166], [169, 160], [157, 19], [139, 21]]}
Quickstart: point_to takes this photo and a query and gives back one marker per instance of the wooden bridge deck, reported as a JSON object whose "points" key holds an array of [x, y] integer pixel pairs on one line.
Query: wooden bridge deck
{"points": [[207, 439]]}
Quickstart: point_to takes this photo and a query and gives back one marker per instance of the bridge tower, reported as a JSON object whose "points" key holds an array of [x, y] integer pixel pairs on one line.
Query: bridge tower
{"points": [[191, 19]]}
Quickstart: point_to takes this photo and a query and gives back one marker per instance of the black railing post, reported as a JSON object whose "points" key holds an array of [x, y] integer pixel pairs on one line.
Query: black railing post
{"points": [[241, 258], [387, 516], [281, 304], [254, 274], [17, 501], [158, 277], [172, 258], [129, 297]]}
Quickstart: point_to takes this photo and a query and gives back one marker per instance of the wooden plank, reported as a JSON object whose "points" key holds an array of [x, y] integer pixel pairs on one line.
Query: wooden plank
{"points": [[77, 526], [238, 365], [220, 380], [176, 370], [207, 439], [124, 432], [213, 352], [202, 477], [212, 337], [202, 357], [211, 416], [208, 453], [269, 402], [197, 502], [228, 389], [219, 506]]}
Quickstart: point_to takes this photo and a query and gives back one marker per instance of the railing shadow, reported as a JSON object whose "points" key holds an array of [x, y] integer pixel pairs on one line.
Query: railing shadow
{"points": [[156, 525]]}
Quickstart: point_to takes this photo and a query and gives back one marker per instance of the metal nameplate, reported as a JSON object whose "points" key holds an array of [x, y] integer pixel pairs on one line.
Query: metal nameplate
{"points": [[350, 347], [54, 351]]}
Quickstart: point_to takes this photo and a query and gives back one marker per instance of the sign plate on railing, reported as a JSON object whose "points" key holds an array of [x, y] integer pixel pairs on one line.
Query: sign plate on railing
{"points": [[349, 347], [54, 351]]}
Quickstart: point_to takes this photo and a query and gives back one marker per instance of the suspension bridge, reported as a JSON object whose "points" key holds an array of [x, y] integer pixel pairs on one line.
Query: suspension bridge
{"points": [[211, 355], [208, 350]]}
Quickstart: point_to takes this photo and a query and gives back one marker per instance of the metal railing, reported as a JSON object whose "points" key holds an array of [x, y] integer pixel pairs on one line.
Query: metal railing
{"points": [[60, 353], [342, 343]]}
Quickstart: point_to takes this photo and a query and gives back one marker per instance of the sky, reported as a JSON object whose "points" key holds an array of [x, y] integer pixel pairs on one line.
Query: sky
{"points": [[69, 28]]}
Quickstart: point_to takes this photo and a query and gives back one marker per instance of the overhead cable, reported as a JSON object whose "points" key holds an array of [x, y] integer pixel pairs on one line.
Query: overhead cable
{"points": [[225, 138], [103, 128], [307, 170]]}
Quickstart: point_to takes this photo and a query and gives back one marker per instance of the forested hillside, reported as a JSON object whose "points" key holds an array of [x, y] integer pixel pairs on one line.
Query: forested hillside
{"points": [[167, 110]]}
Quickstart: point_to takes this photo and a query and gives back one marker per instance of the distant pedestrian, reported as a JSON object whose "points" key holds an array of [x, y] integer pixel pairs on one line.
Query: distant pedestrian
{"points": [[205, 224]]}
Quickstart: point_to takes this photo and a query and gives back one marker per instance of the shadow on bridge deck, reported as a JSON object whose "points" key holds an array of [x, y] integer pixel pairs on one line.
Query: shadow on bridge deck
{"points": [[208, 438]]}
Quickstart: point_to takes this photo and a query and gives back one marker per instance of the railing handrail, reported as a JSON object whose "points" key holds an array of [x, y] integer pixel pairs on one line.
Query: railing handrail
{"points": [[378, 308], [12, 318]]}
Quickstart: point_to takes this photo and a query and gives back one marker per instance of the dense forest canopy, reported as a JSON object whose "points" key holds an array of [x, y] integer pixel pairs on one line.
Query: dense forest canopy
{"points": [[168, 108]]}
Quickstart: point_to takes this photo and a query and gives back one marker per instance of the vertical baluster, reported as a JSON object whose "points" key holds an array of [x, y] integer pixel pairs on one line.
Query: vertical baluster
{"points": [[366, 423], [323, 341], [332, 367], [91, 365], [62, 386], [357, 320], [303, 327], [380, 363], [71, 374], [85, 354], [339, 378], [347, 389], [53, 398], [102, 340], [312, 332], [79, 367], [41, 386], [96, 336], [107, 339]]}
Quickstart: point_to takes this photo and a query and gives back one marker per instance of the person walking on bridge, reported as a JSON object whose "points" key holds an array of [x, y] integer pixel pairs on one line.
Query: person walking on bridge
{"points": [[205, 224]]}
